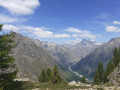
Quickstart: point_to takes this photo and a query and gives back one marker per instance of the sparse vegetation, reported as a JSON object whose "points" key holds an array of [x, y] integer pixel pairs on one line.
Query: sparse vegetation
{"points": [[61, 86], [83, 80], [53, 77]]}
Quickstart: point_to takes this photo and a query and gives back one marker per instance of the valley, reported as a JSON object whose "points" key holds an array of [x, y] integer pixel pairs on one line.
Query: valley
{"points": [[34, 55], [59, 44], [76, 73]]}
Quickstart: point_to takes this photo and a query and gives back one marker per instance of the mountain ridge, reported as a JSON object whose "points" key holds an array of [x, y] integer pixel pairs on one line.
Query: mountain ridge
{"points": [[103, 53], [32, 59]]}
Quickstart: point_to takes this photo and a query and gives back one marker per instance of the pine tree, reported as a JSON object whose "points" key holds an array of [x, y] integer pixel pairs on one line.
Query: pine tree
{"points": [[42, 77], [48, 74], [119, 55], [100, 71], [96, 79], [98, 76], [105, 75], [83, 80], [116, 56], [110, 67], [8, 70], [55, 77]]}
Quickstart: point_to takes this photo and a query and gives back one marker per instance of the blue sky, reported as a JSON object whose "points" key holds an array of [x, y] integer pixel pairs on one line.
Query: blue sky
{"points": [[62, 20]]}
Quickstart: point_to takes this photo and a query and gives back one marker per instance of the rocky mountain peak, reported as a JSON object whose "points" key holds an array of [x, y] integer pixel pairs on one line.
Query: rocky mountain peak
{"points": [[86, 42], [115, 40]]}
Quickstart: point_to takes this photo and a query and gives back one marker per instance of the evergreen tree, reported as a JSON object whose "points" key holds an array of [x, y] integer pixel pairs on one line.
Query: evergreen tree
{"points": [[42, 77], [115, 52], [119, 52], [116, 56], [110, 67], [98, 76], [8, 70], [100, 71], [48, 74], [105, 75], [83, 80], [96, 79], [55, 77]]}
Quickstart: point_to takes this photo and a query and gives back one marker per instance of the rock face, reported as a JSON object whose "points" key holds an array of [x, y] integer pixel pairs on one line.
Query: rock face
{"points": [[114, 77], [68, 53], [103, 53], [59, 53], [83, 48], [30, 58]]}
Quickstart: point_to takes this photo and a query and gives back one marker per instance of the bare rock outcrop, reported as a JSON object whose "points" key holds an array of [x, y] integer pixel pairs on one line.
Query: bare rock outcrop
{"points": [[114, 77]]}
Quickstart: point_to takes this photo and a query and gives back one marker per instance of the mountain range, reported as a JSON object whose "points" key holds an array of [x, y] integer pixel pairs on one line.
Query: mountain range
{"points": [[33, 55], [83, 48], [66, 54], [103, 53]]}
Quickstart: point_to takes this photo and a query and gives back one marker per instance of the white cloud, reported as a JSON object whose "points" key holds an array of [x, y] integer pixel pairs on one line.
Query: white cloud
{"points": [[80, 33], [20, 7], [112, 29], [116, 22], [61, 36], [71, 29], [6, 19], [10, 28], [75, 30], [75, 35], [89, 36], [39, 32], [86, 35]]}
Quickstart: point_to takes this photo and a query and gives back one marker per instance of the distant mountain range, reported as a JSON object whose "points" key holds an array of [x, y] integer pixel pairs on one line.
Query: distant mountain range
{"points": [[83, 48], [59, 53], [33, 55], [68, 53], [103, 53]]}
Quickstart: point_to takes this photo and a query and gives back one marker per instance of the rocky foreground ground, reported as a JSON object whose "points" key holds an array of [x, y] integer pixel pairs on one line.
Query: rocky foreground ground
{"points": [[93, 87], [79, 86]]}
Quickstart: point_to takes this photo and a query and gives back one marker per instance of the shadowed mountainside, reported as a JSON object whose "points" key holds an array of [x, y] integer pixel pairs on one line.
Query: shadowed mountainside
{"points": [[103, 53]]}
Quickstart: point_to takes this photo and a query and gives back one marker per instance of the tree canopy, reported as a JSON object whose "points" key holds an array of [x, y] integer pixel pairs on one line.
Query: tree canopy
{"points": [[8, 70]]}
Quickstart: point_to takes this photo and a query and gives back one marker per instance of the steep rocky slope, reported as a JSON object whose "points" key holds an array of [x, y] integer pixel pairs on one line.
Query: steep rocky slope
{"points": [[114, 77], [31, 59], [83, 48], [102, 54], [66, 54], [61, 54]]}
